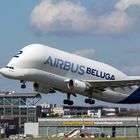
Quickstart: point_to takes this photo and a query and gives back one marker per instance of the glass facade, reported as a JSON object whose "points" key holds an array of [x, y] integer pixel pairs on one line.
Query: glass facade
{"points": [[17, 108], [120, 131], [12, 101], [20, 107]]}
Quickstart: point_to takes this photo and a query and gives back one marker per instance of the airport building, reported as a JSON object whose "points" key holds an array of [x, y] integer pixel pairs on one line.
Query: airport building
{"points": [[119, 127], [16, 109], [78, 111], [19, 113], [94, 111], [47, 109]]}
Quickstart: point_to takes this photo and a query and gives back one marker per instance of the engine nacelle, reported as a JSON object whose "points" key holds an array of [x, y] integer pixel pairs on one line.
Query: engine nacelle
{"points": [[77, 86], [38, 87]]}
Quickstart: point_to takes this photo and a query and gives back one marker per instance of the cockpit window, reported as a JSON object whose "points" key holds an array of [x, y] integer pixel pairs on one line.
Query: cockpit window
{"points": [[18, 54], [9, 67]]}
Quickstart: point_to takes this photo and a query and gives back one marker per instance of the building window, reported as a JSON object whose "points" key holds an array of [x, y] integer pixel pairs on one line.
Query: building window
{"points": [[8, 101], [15, 111], [22, 101], [1, 101], [15, 101], [23, 111], [8, 111], [31, 111], [31, 119], [1, 111], [23, 120]]}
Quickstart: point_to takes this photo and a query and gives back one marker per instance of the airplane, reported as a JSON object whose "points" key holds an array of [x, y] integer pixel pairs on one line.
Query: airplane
{"points": [[53, 70]]}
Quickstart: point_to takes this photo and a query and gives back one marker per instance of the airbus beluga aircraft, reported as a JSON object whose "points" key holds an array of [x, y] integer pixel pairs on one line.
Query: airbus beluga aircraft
{"points": [[53, 70]]}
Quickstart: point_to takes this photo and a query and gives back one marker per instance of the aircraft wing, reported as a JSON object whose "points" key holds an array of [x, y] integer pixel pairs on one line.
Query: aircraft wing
{"points": [[101, 84]]}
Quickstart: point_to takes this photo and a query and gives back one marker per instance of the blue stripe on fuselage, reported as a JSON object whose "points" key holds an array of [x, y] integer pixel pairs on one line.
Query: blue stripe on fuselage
{"points": [[133, 98]]}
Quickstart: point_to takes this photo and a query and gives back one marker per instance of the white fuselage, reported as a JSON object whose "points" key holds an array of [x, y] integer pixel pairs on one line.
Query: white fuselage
{"points": [[52, 67]]}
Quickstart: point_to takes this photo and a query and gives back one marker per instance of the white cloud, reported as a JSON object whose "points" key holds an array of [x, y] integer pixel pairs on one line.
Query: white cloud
{"points": [[67, 18], [114, 23], [132, 70], [124, 4], [62, 17], [89, 53]]}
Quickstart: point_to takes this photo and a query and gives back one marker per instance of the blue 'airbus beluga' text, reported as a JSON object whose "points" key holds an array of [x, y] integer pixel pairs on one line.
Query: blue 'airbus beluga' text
{"points": [[76, 68]]}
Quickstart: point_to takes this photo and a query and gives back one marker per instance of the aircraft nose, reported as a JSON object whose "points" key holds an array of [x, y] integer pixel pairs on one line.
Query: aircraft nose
{"points": [[6, 72], [2, 71], [10, 72]]}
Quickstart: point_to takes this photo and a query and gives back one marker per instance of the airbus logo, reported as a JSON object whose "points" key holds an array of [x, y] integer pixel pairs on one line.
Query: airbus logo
{"points": [[65, 65], [76, 68]]}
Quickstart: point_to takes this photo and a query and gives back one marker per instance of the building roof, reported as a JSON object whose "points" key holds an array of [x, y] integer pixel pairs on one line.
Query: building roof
{"points": [[19, 95], [86, 107]]}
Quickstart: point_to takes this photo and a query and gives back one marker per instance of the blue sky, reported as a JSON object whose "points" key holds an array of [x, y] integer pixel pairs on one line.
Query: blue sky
{"points": [[108, 31]]}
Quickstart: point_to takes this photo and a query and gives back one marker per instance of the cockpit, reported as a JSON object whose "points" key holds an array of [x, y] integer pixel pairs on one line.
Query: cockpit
{"points": [[9, 67]]}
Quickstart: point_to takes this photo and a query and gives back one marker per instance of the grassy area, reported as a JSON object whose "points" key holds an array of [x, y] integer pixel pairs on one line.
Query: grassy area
{"points": [[86, 139]]}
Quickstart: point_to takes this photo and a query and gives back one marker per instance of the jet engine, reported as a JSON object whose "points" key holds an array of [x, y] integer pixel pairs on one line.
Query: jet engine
{"points": [[39, 87], [78, 86]]}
